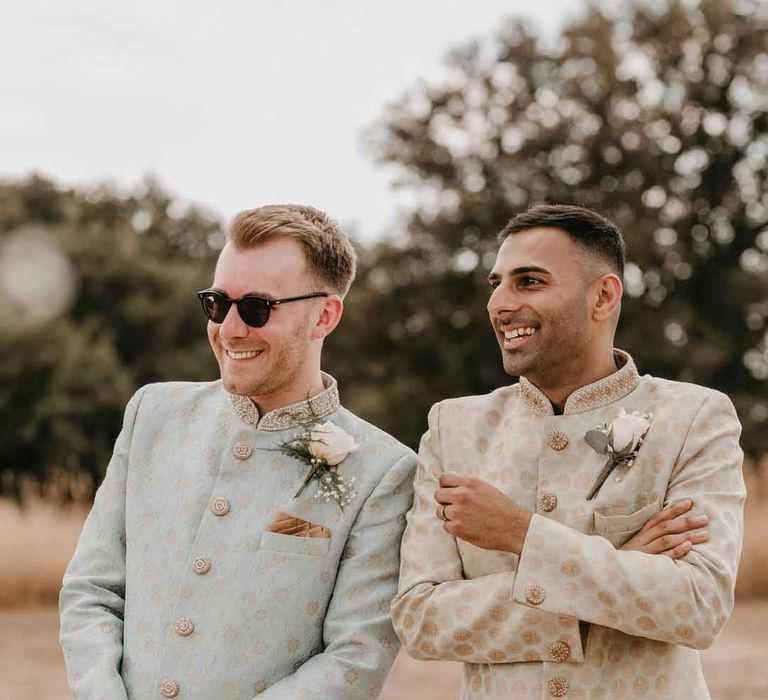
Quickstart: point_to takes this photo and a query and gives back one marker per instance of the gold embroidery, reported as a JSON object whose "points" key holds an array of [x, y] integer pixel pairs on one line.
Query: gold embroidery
{"points": [[300, 413], [590, 397]]}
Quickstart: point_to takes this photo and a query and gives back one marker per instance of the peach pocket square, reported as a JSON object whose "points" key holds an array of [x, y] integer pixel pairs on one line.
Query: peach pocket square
{"points": [[285, 524]]}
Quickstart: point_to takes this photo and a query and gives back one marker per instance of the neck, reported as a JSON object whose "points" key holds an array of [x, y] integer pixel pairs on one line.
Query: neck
{"points": [[301, 391], [576, 375]]}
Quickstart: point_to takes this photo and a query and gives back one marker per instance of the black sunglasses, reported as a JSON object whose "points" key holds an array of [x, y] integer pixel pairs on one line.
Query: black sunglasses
{"points": [[253, 310]]}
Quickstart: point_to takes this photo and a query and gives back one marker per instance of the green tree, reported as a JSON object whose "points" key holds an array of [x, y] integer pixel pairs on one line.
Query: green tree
{"points": [[653, 113], [129, 265]]}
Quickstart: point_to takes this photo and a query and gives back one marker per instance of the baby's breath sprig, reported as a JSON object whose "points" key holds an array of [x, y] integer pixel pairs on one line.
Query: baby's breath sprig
{"points": [[323, 448]]}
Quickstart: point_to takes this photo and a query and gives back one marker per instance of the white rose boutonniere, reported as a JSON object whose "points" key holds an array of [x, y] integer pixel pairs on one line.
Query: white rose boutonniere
{"points": [[620, 440], [330, 443], [323, 447]]}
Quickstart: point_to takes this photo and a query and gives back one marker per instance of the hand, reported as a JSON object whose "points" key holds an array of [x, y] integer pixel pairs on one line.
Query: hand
{"points": [[669, 532], [480, 514]]}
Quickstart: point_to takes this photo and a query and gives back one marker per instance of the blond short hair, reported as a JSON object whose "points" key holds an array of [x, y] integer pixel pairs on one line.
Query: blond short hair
{"points": [[329, 252]]}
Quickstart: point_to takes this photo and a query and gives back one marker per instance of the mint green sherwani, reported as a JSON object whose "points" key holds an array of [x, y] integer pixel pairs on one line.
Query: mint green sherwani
{"points": [[176, 588]]}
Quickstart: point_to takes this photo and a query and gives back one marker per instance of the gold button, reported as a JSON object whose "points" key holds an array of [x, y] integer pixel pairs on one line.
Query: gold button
{"points": [[558, 440], [201, 565], [185, 627], [558, 687], [242, 450], [169, 688], [560, 651], [220, 506], [534, 594], [547, 502]]}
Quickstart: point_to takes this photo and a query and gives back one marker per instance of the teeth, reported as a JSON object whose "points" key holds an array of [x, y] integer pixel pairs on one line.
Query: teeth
{"points": [[517, 332], [242, 355]]}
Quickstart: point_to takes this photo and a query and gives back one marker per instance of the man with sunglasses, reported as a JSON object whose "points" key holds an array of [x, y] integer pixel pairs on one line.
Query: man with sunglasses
{"points": [[245, 540], [556, 543]]}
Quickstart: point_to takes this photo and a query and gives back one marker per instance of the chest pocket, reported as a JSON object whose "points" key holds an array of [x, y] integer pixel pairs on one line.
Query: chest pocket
{"points": [[291, 544], [618, 529]]}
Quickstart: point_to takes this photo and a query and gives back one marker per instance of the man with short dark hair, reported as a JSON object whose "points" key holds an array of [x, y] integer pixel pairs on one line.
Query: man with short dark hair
{"points": [[245, 539], [556, 542]]}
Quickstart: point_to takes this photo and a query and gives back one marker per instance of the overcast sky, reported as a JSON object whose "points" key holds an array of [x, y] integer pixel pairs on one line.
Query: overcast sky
{"points": [[230, 104]]}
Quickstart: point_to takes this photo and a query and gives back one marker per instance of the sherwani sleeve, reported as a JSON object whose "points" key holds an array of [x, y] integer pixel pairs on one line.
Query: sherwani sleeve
{"points": [[360, 644], [92, 597], [440, 615], [683, 602]]}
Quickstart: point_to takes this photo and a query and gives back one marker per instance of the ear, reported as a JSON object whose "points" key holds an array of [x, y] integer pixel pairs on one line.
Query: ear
{"points": [[330, 315], [606, 297]]}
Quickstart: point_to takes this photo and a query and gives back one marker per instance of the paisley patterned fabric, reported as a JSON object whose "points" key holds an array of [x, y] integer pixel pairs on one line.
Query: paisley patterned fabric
{"points": [[179, 589], [574, 616]]}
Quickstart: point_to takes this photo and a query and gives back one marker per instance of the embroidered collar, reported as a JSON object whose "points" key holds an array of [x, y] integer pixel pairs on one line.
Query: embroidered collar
{"points": [[591, 396], [299, 413]]}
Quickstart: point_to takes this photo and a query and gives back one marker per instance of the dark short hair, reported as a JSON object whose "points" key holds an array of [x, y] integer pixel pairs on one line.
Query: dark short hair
{"points": [[587, 228]]}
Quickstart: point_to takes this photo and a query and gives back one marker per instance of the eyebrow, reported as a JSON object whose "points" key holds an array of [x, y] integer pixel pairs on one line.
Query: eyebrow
{"points": [[527, 269]]}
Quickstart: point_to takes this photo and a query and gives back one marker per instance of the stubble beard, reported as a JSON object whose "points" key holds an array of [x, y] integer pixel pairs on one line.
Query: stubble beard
{"points": [[278, 373], [547, 364]]}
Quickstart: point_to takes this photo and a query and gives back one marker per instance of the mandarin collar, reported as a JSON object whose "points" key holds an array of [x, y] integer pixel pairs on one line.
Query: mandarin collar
{"points": [[312, 409], [587, 398]]}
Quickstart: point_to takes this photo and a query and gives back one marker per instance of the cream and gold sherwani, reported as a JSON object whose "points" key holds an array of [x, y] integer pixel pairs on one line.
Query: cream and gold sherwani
{"points": [[574, 616], [180, 587]]}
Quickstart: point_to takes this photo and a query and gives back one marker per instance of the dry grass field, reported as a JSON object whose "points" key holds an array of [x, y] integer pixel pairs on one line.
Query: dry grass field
{"points": [[36, 542]]}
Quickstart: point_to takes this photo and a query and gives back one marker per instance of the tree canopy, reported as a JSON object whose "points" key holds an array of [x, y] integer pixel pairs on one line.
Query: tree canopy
{"points": [[653, 113]]}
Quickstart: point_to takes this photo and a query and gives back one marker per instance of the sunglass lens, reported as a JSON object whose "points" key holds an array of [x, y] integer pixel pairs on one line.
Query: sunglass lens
{"points": [[215, 307], [254, 311]]}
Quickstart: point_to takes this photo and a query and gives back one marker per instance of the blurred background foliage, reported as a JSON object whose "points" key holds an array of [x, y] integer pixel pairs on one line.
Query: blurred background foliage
{"points": [[654, 113]]}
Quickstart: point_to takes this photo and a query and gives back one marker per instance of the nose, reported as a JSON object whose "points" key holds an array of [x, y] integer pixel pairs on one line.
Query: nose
{"points": [[233, 326], [502, 301]]}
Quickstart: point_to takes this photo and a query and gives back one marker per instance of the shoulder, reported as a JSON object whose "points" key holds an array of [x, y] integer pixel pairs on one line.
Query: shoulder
{"points": [[471, 408], [373, 439], [685, 397], [171, 397]]}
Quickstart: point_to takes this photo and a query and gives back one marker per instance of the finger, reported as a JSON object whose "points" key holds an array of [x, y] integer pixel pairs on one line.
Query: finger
{"points": [[451, 480], [698, 537], [680, 524], [445, 495], [665, 543], [671, 511], [680, 551]]}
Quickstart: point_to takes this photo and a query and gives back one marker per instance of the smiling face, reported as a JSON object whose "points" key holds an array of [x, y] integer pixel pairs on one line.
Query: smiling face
{"points": [[278, 363], [540, 306]]}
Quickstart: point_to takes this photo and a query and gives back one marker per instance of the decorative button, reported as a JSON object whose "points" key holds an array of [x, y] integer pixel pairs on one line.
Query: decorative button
{"points": [[560, 651], [547, 502], [534, 594], [185, 627], [220, 506], [558, 687], [201, 565], [558, 440], [169, 688], [242, 450]]}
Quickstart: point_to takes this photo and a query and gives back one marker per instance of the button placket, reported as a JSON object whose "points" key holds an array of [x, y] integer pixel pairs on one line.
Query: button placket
{"points": [[169, 688], [534, 594], [201, 565], [220, 506], [557, 440], [242, 450], [558, 687], [184, 627], [547, 502]]}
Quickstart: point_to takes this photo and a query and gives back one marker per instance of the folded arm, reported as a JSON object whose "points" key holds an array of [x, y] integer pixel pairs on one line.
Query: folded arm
{"points": [[360, 644], [684, 601], [440, 615]]}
